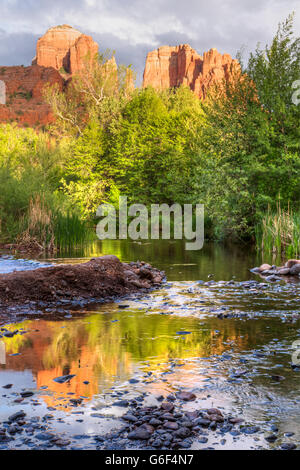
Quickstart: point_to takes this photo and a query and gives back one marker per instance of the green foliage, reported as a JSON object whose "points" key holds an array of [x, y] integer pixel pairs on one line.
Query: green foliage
{"points": [[31, 206], [251, 140], [237, 152], [96, 93], [152, 154]]}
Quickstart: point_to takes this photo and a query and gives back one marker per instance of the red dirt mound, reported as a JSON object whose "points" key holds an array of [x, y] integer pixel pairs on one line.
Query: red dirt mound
{"points": [[100, 278]]}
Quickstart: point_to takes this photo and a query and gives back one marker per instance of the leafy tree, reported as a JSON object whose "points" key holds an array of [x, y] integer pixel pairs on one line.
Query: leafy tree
{"points": [[153, 152], [96, 92], [250, 143]]}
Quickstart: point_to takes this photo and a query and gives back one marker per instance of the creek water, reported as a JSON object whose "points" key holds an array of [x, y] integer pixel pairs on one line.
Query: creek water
{"points": [[231, 343]]}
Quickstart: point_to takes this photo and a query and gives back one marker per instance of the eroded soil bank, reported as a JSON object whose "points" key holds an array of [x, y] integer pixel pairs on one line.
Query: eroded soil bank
{"points": [[103, 278]]}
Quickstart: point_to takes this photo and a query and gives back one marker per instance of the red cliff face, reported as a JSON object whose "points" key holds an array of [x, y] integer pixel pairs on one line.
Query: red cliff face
{"points": [[61, 52], [181, 65], [24, 94], [65, 49]]}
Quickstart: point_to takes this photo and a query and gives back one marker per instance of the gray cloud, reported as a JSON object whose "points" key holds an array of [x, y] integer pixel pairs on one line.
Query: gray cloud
{"points": [[133, 28]]}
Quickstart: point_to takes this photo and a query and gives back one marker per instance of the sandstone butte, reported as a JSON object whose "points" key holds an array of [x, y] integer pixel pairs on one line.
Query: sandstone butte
{"points": [[65, 49], [181, 65], [61, 52]]}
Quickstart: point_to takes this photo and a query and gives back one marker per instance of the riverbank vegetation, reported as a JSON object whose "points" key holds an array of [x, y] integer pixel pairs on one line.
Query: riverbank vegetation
{"points": [[279, 232], [238, 152]]}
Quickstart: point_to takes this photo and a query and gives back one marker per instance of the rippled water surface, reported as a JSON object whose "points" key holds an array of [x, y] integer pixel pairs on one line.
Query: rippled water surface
{"points": [[228, 342]]}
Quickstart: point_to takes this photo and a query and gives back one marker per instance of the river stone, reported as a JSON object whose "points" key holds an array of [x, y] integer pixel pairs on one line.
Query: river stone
{"points": [[171, 398], [157, 443], [76, 401], [216, 418], [291, 262], [167, 406], [130, 418], [277, 378], [122, 403], [186, 396], [202, 422], [283, 271], [44, 436], [288, 446], [63, 379], [264, 267], [271, 438], [250, 429], [171, 425], [273, 278], [182, 432], [62, 442], [255, 270], [214, 411], [155, 422], [141, 432], [192, 414], [26, 394], [295, 270], [16, 416]]}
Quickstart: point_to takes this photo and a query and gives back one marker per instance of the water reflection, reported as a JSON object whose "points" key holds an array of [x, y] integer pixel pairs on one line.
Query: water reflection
{"points": [[105, 348], [108, 347], [223, 262]]}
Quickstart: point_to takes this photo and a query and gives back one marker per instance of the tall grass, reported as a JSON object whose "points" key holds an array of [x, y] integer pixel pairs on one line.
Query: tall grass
{"points": [[70, 231], [279, 232], [46, 228], [38, 229]]}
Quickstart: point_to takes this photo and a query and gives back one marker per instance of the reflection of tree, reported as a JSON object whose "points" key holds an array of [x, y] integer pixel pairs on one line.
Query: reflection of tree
{"points": [[18, 341], [109, 349], [65, 345]]}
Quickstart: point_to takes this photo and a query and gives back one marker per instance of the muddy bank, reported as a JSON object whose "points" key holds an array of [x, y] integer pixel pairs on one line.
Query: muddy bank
{"points": [[102, 278]]}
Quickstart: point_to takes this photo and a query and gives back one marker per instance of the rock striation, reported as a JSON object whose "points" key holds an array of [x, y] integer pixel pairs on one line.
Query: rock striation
{"points": [[168, 67]]}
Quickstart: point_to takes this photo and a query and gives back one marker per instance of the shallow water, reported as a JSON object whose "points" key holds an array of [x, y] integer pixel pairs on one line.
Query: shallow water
{"points": [[170, 339]]}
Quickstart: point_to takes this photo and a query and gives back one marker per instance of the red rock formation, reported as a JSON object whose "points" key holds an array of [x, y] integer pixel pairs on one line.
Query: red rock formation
{"points": [[173, 66], [65, 49], [84, 49], [62, 49], [24, 94]]}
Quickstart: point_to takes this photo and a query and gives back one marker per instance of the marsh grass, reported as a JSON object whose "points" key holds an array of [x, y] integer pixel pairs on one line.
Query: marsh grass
{"points": [[71, 232], [46, 228], [279, 232]]}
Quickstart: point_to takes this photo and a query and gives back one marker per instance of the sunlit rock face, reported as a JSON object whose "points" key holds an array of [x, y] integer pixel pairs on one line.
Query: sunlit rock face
{"points": [[60, 53], [65, 49], [24, 94], [168, 67]]}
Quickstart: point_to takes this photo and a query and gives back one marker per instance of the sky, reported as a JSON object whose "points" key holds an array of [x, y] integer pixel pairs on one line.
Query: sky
{"points": [[132, 28]]}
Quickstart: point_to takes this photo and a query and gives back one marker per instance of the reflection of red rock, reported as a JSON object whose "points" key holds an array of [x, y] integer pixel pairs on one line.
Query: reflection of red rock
{"points": [[181, 65], [64, 48], [40, 355], [24, 89], [83, 371]]}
